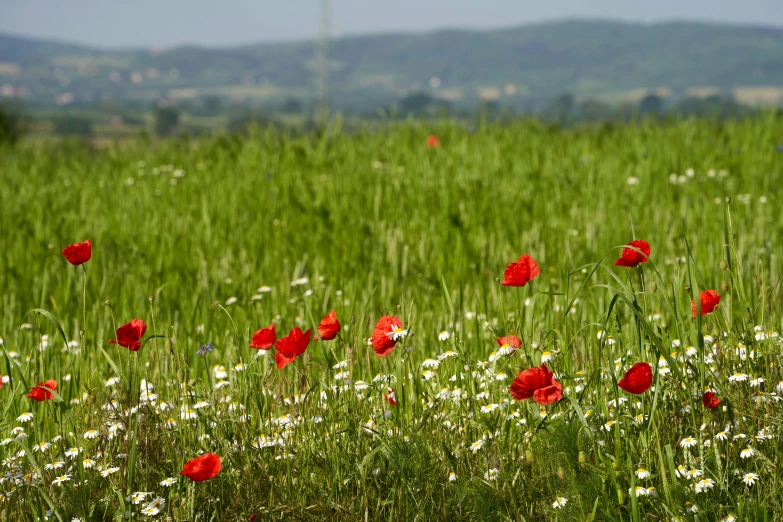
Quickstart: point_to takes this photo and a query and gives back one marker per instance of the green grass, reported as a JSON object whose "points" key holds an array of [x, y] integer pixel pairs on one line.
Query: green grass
{"points": [[378, 223]]}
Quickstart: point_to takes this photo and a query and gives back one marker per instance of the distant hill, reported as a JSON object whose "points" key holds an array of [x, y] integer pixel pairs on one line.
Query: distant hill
{"points": [[519, 66]]}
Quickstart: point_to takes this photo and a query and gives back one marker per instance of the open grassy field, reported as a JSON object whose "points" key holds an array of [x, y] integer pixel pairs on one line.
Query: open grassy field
{"points": [[209, 242]]}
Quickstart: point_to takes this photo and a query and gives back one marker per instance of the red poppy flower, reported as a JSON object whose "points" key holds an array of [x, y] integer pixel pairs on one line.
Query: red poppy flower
{"points": [[291, 347], [390, 397], [521, 273], [202, 468], [40, 393], [512, 340], [538, 384], [329, 327], [264, 339], [388, 330], [637, 379], [710, 400], [709, 301], [78, 253], [630, 257], [129, 335], [432, 141]]}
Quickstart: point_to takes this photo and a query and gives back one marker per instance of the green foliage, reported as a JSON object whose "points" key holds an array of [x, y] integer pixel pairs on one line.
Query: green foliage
{"points": [[10, 124], [166, 120], [73, 126], [184, 233]]}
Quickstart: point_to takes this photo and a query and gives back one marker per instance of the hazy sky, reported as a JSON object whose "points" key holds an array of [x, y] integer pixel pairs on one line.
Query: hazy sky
{"points": [[226, 22]]}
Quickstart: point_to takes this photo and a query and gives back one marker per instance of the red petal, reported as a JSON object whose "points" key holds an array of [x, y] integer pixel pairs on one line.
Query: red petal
{"points": [[78, 253], [630, 257], [709, 301], [281, 360], [294, 344], [40, 391], [381, 342], [264, 338], [129, 335], [202, 468], [548, 395], [329, 327], [637, 379], [710, 400], [530, 380], [521, 272], [511, 340]]}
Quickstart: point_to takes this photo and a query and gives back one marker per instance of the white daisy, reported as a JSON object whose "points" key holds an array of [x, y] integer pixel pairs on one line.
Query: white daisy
{"points": [[688, 442]]}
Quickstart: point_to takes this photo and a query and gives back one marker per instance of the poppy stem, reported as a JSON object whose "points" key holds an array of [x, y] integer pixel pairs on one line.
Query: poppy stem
{"points": [[84, 306]]}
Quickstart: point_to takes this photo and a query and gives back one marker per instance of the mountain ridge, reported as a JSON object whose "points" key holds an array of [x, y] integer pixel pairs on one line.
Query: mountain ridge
{"points": [[522, 64]]}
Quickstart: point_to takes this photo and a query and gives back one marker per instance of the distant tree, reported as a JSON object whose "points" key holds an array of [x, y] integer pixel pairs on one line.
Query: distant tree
{"points": [[242, 122], [73, 126], [291, 106], [491, 111], [440, 109], [595, 110], [166, 120], [625, 111], [129, 118], [415, 103], [10, 124], [712, 106], [651, 104], [560, 110], [210, 106]]}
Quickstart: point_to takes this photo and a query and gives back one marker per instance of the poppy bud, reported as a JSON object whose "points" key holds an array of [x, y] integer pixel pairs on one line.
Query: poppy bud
{"points": [[561, 473], [653, 287], [582, 457], [107, 303], [529, 456], [151, 298], [728, 199], [724, 265], [724, 286]]}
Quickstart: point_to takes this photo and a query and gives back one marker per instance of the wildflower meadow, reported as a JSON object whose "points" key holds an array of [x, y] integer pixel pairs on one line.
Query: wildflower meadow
{"points": [[419, 322]]}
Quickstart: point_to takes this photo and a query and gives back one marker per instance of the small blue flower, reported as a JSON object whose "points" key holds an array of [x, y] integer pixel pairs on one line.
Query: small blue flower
{"points": [[205, 348]]}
